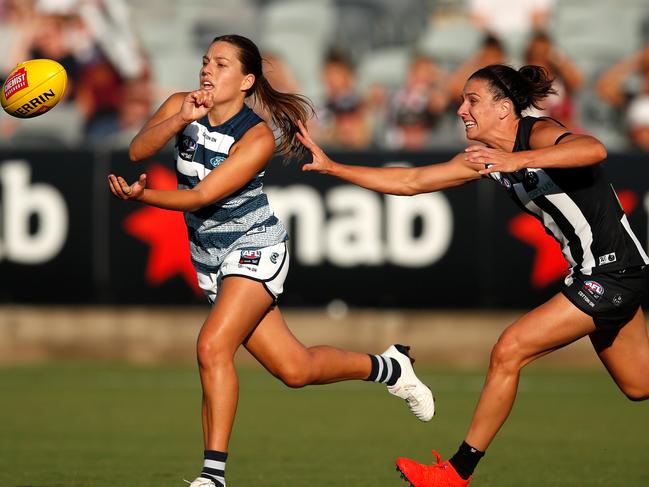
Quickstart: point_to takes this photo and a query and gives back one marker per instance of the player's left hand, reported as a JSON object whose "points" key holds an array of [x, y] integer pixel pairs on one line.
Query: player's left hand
{"points": [[120, 188], [497, 160], [321, 161]]}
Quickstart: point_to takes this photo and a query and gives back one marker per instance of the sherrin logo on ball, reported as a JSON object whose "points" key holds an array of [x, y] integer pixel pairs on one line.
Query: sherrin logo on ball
{"points": [[33, 88]]}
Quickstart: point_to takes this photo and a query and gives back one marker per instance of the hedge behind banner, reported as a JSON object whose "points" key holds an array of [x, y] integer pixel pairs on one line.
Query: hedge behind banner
{"points": [[65, 239]]}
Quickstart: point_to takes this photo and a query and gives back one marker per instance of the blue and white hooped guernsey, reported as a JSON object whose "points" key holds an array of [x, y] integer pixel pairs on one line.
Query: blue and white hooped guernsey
{"points": [[243, 220]]}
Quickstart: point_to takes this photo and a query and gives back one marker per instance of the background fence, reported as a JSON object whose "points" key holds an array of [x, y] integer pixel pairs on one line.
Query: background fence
{"points": [[65, 239]]}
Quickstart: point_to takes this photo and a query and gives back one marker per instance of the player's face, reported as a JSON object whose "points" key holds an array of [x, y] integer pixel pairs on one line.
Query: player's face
{"points": [[221, 73], [478, 111]]}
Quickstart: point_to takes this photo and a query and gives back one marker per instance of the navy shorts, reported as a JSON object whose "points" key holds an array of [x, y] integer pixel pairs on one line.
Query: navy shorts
{"points": [[611, 298]]}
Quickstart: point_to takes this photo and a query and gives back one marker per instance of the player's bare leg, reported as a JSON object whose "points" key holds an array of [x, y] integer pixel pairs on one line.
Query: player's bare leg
{"points": [[625, 354], [273, 344], [284, 356], [240, 305], [548, 327]]}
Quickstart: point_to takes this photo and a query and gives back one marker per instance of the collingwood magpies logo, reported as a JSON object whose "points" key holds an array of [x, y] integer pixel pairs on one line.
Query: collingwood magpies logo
{"points": [[530, 180]]}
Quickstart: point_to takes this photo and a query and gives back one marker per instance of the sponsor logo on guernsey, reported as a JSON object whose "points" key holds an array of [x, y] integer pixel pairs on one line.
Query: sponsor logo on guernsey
{"points": [[541, 190], [607, 259], [216, 160], [250, 257], [594, 288], [211, 138], [15, 83], [256, 230], [506, 182], [187, 148], [617, 299], [273, 257], [583, 296]]}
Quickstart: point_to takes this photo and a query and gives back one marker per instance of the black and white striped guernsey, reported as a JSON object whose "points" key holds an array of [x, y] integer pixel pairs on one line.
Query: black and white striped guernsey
{"points": [[241, 221], [577, 207]]}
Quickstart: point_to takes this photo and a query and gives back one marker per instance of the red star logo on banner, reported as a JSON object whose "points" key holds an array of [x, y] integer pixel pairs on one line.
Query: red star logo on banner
{"points": [[549, 264], [165, 233]]}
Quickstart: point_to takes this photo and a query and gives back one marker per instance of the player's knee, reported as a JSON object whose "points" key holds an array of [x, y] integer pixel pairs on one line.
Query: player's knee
{"points": [[637, 394], [505, 354], [211, 354], [294, 376]]}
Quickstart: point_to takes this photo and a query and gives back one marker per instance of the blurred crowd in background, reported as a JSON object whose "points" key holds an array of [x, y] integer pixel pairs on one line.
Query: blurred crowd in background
{"points": [[382, 74]]}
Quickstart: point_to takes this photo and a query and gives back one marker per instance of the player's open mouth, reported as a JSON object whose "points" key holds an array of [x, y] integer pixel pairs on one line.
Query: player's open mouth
{"points": [[469, 124], [206, 85]]}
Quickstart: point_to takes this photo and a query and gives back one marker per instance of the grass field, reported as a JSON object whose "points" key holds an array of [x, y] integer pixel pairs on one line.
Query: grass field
{"points": [[98, 425]]}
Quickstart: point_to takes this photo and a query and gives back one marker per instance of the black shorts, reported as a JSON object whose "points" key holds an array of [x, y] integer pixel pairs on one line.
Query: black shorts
{"points": [[611, 298]]}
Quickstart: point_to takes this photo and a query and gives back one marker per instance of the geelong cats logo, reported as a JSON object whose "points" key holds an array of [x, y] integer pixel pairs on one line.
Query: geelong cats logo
{"points": [[186, 148]]}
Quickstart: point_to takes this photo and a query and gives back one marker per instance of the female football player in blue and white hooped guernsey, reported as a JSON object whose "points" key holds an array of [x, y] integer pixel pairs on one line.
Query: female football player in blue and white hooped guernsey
{"points": [[238, 246], [556, 177]]}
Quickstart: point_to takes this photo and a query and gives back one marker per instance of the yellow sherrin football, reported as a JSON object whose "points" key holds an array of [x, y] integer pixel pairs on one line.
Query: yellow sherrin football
{"points": [[33, 88]]}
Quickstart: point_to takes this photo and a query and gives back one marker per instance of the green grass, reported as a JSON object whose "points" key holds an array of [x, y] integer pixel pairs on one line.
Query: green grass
{"points": [[98, 425]]}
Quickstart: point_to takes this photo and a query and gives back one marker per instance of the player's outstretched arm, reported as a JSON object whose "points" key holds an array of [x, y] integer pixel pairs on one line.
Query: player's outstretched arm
{"points": [[247, 158], [403, 181], [177, 111], [552, 146]]}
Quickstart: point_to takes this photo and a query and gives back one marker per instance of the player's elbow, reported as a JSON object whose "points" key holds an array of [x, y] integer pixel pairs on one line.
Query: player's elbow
{"points": [[199, 199], [134, 157], [407, 191], [600, 152], [595, 150], [410, 185], [134, 154]]}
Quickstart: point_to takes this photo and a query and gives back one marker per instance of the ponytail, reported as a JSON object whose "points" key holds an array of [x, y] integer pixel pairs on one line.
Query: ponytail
{"points": [[525, 87], [285, 110]]}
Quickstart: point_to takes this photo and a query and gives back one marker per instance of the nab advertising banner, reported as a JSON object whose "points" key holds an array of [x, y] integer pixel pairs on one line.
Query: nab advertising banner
{"points": [[65, 239]]}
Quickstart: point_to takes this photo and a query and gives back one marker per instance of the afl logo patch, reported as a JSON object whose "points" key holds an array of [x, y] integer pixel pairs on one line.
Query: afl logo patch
{"points": [[250, 257], [594, 288], [506, 182]]}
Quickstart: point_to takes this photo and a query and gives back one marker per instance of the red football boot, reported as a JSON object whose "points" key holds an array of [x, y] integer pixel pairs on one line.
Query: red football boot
{"points": [[442, 474]]}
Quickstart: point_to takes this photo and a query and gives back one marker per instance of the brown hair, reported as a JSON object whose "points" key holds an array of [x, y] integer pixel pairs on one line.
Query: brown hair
{"points": [[285, 108], [525, 87]]}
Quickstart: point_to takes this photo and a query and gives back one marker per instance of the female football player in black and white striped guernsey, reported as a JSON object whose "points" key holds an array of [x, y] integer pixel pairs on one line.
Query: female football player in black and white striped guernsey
{"points": [[556, 177], [238, 246]]}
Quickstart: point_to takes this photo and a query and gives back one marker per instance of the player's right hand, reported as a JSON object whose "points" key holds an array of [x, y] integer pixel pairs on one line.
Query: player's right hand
{"points": [[321, 161], [196, 105], [120, 188]]}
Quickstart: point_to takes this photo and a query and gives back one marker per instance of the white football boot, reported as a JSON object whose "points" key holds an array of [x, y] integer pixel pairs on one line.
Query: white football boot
{"points": [[202, 482], [408, 387]]}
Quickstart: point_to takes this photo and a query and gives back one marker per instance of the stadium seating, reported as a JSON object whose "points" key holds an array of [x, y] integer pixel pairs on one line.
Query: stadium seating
{"points": [[379, 35]]}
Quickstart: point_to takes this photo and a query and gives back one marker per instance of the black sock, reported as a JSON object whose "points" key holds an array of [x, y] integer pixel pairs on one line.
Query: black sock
{"points": [[466, 459], [214, 467], [384, 369]]}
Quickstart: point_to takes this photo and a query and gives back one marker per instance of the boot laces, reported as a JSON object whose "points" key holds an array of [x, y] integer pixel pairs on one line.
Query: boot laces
{"points": [[438, 457]]}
